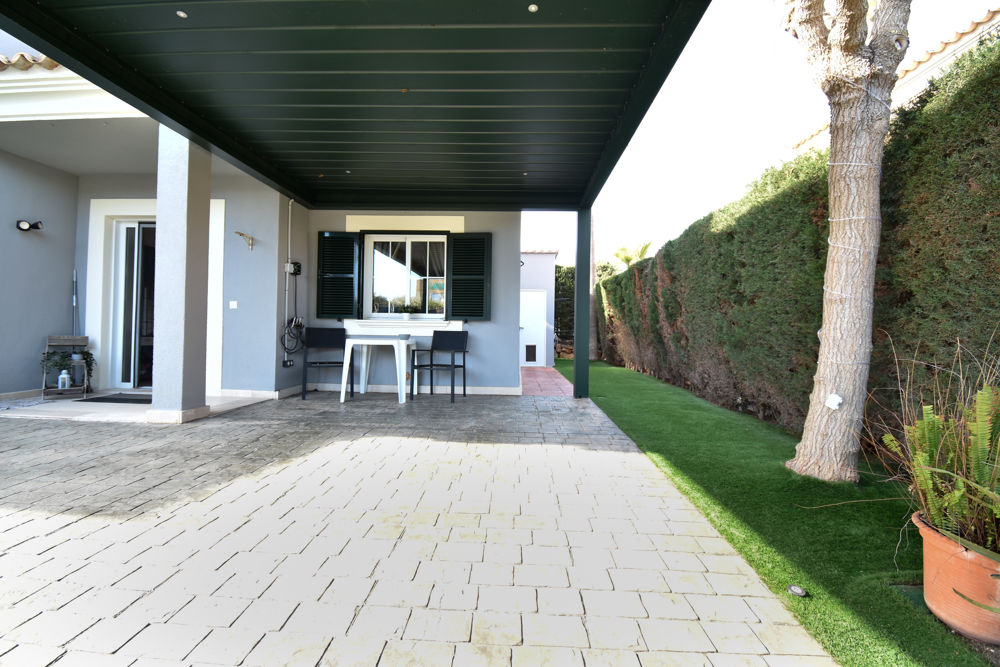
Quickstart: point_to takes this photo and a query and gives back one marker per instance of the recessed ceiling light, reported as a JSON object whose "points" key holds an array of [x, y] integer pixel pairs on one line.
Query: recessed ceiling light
{"points": [[319, 175], [347, 171], [532, 8], [181, 14], [524, 173]]}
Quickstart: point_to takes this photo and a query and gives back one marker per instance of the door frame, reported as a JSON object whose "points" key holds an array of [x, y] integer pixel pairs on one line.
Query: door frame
{"points": [[99, 294], [116, 342]]}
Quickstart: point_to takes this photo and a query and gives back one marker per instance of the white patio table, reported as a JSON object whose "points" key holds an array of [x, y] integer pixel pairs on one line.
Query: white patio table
{"points": [[398, 334]]}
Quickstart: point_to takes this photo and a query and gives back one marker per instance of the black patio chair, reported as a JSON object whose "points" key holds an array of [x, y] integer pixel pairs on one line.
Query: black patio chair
{"points": [[453, 342], [317, 338]]}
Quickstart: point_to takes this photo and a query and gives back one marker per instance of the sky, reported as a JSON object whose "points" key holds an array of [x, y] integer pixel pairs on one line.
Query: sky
{"points": [[737, 101]]}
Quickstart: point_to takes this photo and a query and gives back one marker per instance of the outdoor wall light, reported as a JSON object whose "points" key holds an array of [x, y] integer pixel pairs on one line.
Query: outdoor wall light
{"points": [[246, 237], [26, 226]]}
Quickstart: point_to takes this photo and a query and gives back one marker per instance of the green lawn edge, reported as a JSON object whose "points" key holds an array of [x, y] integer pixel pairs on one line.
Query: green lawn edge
{"points": [[731, 466]]}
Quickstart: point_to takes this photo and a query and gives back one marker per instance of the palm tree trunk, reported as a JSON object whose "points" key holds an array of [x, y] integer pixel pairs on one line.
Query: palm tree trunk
{"points": [[830, 439]]}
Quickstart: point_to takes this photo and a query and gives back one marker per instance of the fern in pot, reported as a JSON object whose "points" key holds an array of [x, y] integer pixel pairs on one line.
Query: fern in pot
{"points": [[949, 456]]}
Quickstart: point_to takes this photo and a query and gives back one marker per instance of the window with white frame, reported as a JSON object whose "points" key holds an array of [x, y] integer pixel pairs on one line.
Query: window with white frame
{"points": [[405, 273]]}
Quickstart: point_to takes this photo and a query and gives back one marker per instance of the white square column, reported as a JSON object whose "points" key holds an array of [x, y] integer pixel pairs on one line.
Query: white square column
{"points": [[180, 310]]}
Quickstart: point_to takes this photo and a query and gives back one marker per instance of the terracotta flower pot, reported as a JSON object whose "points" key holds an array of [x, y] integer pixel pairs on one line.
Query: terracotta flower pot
{"points": [[950, 572]]}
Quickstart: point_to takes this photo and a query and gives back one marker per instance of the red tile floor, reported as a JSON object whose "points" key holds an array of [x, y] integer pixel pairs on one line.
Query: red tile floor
{"points": [[544, 381]]}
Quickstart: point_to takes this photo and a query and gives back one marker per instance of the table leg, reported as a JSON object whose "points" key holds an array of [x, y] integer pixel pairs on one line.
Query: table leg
{"points": [[400, 349], [366, 366], [347, 369]]}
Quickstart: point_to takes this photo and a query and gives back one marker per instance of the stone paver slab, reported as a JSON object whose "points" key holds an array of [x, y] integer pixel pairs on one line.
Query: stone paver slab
{"points": [[439, 625], [30, 654], [546, 656], [169, 642], [661, 635], [516, 531], [409, 653], [287, 648], [385, 622], [626, 604], [478, 655], [353, 652], [496, 628], [601, 657], [733, 638], [225, 646], [544, 630], [559, 601]]}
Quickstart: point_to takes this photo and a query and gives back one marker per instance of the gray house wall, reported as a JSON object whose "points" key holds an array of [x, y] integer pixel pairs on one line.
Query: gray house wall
{"points": [[251, 358], [538, 271], [249, 343], [299, 289], [36, 266], [493, 345], [104, 186]]}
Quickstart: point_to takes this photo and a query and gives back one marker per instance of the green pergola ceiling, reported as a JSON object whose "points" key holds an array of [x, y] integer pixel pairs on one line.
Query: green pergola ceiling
{"points": [[439, 104]]}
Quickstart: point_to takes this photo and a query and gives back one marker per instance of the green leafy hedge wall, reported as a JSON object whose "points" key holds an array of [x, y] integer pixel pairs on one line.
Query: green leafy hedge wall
{"points": [[730, 309]]}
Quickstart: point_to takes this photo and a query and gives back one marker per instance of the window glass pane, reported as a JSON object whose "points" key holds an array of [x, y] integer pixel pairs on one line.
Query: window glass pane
{"points": [[417, 287], [435, 282], [407, 273], [398, 251], [436, 259], [418, 259], [435, 296], [389, 277]]}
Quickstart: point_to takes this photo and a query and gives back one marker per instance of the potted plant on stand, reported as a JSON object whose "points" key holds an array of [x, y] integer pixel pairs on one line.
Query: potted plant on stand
{"points": [[56, 361], [949, 456]]}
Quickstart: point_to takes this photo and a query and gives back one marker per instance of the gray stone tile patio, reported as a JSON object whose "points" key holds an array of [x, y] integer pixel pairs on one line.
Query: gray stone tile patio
{"points": [[495, 531]]}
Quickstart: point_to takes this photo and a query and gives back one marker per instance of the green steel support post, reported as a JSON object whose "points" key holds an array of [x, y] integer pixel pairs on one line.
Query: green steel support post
{"points": [[581, 310]]}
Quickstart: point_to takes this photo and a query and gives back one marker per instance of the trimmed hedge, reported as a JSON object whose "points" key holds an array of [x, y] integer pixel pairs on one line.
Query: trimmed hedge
{"points": [[730, 309]]}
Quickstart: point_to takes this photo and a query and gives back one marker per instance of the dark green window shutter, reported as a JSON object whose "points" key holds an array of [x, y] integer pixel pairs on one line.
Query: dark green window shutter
{"points": [[337, 275], [470, 267]]}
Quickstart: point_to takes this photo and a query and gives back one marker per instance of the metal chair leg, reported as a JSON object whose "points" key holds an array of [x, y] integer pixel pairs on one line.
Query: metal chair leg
{"points": [[453, 376]]}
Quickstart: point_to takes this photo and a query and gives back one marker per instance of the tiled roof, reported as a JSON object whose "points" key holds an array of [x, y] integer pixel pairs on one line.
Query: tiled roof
{"points": [[973, 27], [917, 62], [23, 61]]}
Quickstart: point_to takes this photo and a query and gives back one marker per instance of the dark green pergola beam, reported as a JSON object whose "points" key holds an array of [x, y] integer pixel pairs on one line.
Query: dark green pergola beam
{"points": [[581, 307]]}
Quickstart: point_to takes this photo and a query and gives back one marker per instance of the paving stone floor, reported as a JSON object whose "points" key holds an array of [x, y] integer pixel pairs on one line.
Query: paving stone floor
{"points": [[544, 381], [495, 531]]}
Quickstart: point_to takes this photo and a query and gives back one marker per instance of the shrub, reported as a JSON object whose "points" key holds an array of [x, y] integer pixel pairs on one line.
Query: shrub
{"points": [[730, 309]]}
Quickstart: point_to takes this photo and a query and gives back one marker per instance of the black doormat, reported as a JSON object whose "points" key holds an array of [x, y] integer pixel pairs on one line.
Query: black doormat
{"points": [[119, 398]]}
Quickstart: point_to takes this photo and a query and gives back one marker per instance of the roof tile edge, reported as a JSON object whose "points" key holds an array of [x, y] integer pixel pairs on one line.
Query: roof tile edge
{"points": [[23, 61]]}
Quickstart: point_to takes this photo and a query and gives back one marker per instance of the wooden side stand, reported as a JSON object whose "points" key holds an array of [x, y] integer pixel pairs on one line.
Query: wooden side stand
{"points": [[69, 344]]}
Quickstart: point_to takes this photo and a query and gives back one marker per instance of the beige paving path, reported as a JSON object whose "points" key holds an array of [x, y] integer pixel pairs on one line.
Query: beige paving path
{"points": [[495, 531]]}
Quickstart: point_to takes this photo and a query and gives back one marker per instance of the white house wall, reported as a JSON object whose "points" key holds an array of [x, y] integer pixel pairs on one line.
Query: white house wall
{"points": [[493, 345], [538, 271], [41, 94], [36, 267]]}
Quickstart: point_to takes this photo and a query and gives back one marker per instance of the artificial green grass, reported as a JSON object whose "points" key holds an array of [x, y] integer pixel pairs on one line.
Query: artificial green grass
{"points": [[838, 541]]}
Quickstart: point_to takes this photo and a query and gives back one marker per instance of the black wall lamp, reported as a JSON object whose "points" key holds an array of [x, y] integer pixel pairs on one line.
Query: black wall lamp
{"points": [[26, 226]]}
